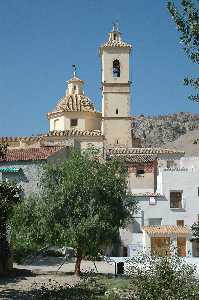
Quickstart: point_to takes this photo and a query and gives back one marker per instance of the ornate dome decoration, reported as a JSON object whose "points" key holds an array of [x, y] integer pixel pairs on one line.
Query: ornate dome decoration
{"points": [[74, 99], [75, 102]]}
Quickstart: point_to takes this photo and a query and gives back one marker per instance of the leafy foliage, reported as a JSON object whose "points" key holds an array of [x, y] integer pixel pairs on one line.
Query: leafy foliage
{"points": [[27, 218], [163, 278], [3, 149], [186, 18], [83, 203], [9, 198], [195, 231]]}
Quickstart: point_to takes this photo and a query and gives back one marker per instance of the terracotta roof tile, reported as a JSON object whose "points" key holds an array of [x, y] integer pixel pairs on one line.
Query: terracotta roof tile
{"points": [[147, 194], [4, 139], [73, 103], [118, 151], [140, 158], [119, 44], [75, 132], [70, 132], [167, 230], [29, 154]]}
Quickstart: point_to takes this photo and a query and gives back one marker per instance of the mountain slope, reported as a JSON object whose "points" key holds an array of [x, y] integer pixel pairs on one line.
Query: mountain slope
{"points": [[161, 130]]}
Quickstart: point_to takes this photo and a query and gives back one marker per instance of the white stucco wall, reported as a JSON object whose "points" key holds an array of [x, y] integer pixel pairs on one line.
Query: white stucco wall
{"points": [[86, 121], [185, 179]]}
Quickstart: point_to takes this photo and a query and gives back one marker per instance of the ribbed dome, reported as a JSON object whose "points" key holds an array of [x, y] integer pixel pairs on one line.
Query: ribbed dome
{"points": [[75, 102]]}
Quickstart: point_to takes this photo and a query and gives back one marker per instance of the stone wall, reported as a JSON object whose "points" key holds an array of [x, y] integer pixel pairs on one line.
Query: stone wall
{"points": [[28, 175]]}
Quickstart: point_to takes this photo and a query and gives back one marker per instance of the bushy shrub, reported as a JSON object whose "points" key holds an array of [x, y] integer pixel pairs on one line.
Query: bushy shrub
{"points": [[163, 278]]}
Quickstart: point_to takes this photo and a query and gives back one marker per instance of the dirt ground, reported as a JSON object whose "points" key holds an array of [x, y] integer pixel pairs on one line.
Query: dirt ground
{"points": [[20, 287], [44, 271]]}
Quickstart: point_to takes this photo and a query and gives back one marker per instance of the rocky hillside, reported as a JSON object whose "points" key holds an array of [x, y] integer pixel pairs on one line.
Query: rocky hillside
{"points": [[161, 130]]}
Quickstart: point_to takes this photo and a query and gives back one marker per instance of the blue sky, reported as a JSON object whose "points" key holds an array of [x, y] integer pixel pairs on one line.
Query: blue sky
{"points": [[41, 39]]}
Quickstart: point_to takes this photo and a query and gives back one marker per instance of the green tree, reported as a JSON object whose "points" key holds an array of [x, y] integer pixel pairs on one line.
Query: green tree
{"points": [[9, 198], [186, 18], [83, 203]]}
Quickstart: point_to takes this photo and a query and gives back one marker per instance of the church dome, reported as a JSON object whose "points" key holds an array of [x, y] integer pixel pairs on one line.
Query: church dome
{"points": [[75, 102]]}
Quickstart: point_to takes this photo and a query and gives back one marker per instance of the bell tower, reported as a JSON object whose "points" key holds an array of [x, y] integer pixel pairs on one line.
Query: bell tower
{"points": [[116, 95]]}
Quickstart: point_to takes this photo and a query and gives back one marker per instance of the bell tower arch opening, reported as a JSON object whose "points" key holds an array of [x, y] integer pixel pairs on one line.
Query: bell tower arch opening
{"points": [[116, 68]]}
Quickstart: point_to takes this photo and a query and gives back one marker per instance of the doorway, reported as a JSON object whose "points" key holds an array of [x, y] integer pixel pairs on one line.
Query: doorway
{"points": [[160, 246], [181, 246]]}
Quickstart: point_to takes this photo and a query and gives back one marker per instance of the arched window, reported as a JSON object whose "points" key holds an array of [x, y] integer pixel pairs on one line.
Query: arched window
{"points": [[116, 68], [115, 36], [116, 111]]}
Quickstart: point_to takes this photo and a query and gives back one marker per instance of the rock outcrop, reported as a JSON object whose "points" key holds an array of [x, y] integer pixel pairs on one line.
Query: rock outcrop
{"points": [[160, 130]]}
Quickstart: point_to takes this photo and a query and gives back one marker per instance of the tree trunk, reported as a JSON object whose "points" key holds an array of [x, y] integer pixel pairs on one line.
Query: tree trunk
{"points": [[4, 250], [78, 263]]}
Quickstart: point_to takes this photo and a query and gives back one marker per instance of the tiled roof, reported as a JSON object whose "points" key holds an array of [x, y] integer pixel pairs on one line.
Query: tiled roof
{"points": [[75, 132], [147, 194], [74, 103], [166, 230], [140, 158], [4, 139], [118, 151], [119, 44], [70, 132], [29, 154], [75, 79]]}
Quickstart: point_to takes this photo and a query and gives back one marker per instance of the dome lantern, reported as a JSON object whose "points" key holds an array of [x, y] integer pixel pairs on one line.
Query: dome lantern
{"points": [[75, 85]]}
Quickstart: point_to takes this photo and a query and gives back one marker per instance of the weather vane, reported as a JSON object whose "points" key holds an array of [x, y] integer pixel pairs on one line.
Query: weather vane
{"points": [[74, 70]]}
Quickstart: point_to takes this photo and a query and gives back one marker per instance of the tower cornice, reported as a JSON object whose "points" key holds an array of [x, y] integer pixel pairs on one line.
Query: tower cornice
{"points": [[118, 84]]}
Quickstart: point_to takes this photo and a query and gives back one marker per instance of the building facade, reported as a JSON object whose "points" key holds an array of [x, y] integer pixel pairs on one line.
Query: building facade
{"points": [[166, 214], [25, 166]]}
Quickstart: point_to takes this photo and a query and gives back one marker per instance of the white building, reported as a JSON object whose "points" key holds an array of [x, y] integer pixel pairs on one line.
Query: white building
{"points": [[166, 214]]}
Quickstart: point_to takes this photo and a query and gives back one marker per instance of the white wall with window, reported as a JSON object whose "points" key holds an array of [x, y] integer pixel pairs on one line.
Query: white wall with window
{"points": [[175, 202]]}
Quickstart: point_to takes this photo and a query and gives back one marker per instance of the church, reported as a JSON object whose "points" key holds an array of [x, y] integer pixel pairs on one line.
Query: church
{"points": [[168, 207], [75, 117]]}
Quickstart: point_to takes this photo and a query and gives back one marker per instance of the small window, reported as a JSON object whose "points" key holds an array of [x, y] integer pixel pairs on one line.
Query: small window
{"points": [[140, 172], [56, 124], [175, 199], [152, 201], [155, 221], [136, 227], [74, 87], [180, 222], [125, 251], [116, 111], [117, 142], [115, 36], [73, 122], [170, 164], [198, 191], [116, 68]]}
